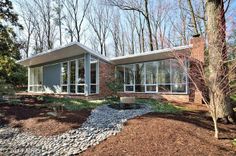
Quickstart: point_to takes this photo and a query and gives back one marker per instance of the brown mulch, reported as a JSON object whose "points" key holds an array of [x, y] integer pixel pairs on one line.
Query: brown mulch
{"points": [[190, 133], [37, 121]]}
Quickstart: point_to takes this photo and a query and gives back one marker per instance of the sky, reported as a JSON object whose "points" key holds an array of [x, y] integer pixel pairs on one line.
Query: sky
{"points": [[230, 17]]}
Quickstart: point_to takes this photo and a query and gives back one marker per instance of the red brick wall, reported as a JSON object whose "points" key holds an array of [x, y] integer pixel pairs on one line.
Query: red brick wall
{"points": [[106, 74]]}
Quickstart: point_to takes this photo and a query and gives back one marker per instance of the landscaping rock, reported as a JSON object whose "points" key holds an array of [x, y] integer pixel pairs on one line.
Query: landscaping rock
{"points": [[102, 123]]}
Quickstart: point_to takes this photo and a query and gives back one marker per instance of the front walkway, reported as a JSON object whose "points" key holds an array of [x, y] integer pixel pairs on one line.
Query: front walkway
{"points": [[102, 123]]}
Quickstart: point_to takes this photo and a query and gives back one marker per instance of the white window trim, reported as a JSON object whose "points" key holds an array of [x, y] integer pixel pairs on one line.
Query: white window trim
{"points": [[97, 78], [157, 84], [61, 76], [76, 84]]}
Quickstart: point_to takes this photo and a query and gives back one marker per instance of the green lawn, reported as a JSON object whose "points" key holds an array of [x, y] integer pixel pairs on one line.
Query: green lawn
{"points": [[78, 104], [162, 107]]}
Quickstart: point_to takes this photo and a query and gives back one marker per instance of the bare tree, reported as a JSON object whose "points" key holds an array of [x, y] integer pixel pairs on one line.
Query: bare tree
{"points": [[73, 10], [214, 76], [99, 20], [45, 9], [219, 87], [141, 7], [116, 31], [139, 26], [59, 17], [159, 20], [26, 15], [193, 18]]}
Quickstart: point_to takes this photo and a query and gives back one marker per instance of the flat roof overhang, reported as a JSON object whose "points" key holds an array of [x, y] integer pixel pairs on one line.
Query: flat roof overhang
{"points": [[152, 55], [68, 51]]}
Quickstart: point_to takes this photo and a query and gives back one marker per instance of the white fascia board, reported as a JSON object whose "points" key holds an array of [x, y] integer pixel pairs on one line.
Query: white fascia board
{"points": [[46, 52], [51, 51], [153, 52]]}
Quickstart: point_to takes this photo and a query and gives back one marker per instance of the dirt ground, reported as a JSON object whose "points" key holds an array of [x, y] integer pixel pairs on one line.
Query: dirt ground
{"points": [[38, 121], [190, 133]]}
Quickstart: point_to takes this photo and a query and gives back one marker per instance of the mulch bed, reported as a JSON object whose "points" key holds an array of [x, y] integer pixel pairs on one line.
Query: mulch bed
{"points": [[37, 121], [190, 133]]}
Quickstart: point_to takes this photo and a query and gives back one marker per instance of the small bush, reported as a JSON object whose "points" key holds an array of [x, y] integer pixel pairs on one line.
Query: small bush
{"points": [[115, 86]]}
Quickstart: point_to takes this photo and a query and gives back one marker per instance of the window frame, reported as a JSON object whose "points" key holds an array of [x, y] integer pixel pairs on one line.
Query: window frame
{"points": [[76, 84], [157, 84], [33, 84], [97, 76]]}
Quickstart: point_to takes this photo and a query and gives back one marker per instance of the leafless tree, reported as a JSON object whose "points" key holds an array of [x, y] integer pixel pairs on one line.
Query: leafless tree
{"points": [[59, 17], [139, 27], [99, 20], [214, 77], [116, 31], [46, 14], [139, 6], [193, 18], [160, 20], [26, 15], [77, 15]]}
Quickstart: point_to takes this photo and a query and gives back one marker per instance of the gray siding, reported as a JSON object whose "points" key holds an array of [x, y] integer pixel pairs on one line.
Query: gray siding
{"points": [[51, 76]]}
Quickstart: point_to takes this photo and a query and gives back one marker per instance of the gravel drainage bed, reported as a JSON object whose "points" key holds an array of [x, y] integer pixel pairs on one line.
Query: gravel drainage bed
{"points": [[103, 122]]}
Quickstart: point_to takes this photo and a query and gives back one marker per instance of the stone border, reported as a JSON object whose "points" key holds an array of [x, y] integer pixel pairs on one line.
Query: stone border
{"points": [[102, 123]]}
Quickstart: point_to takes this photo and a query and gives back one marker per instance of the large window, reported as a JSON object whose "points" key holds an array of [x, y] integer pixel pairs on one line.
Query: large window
{"points": [[178, 77], [129, 78], [93, 76], [139, 78], [81, 76], [64, 76], [36, 79], [73, 76], [151, 76], [120, 77], [165, 76]]}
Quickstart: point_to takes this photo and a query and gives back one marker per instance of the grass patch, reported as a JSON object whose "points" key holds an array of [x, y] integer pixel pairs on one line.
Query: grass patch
{"points": [[161, 107], [77, 104]]}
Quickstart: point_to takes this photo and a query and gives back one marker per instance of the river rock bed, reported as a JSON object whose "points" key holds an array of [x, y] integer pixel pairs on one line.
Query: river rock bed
{"points": [[102, 123]]}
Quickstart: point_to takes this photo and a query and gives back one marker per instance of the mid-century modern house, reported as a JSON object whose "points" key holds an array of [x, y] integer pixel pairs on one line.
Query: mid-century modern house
{"points": [[75, 70]]}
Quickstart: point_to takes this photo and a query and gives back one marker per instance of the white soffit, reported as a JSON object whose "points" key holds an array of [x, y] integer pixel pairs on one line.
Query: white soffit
{"points": [[70, 50], [151, 55]]}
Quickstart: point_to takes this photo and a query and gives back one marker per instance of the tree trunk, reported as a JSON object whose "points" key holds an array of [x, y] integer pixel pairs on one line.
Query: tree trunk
{"points": [[148, 25], [218, 83], [193, 18], [216, 128]]}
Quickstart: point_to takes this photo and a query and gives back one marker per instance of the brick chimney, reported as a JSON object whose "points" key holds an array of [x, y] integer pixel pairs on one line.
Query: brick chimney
{"points": [[198, 48], [197, 53]]}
